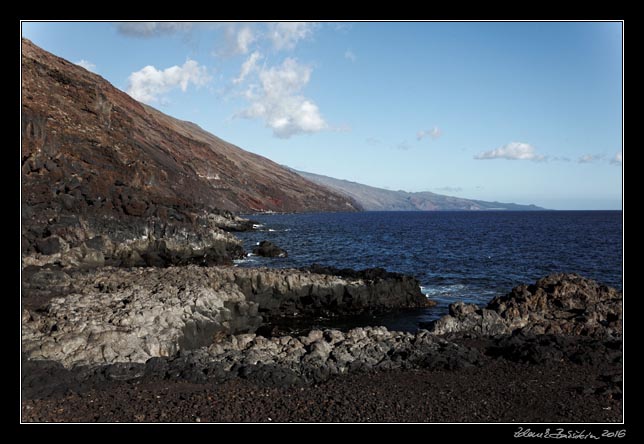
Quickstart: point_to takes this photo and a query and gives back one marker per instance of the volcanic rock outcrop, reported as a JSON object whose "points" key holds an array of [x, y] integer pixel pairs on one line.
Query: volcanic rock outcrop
{"points": [[119, 315], [269, 249], [565, 304], [205, 318]]}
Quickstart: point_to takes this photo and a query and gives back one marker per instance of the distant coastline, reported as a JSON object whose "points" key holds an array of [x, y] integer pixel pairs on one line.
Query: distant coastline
{"points": [[378, 199]]}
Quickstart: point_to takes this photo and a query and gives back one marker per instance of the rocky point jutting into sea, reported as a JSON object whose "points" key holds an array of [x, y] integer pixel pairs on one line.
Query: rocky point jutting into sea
{"points": [[132, 309]]}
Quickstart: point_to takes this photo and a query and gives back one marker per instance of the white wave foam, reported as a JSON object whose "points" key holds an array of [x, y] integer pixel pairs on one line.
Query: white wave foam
{"points": [[442, 290], [248, 259]]}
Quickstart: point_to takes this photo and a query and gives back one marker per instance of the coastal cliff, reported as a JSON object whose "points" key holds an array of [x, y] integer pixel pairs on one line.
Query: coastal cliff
{"points": [[108, 180]]}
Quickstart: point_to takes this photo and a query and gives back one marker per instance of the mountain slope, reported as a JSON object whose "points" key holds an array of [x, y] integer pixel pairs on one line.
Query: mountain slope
{"points": [[81, 133], [378, 199]]}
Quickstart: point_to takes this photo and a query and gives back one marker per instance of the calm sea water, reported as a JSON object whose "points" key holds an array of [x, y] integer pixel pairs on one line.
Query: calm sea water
{"points": [[469, 256]]}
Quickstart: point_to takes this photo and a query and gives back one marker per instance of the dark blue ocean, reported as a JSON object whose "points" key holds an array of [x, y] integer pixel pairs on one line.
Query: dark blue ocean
{"points": [[468, 256]]}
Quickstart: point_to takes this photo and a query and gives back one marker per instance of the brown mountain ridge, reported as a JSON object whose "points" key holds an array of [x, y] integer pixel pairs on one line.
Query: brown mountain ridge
{"points": [[107, 180], [131, 157]]}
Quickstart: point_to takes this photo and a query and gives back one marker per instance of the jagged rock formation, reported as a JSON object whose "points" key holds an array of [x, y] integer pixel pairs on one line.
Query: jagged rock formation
{"points": [[315, 357], [557, 304], [288, 360], [72, 241], [269, 249], [119, 315], [204, 319]]}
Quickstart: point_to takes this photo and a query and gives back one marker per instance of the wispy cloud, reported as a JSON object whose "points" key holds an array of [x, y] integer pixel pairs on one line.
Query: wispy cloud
{"points": [[617, 159], [403, 146], [286, 35], [434, 133], [277, 100], [342, 27], [449, 189], [87, 65], [238, 39], [149, 83], [245, 37], [248, 67], [588, 158], [349, 55], [153, 29], [373, 141], [558, 159], [512, 151]]}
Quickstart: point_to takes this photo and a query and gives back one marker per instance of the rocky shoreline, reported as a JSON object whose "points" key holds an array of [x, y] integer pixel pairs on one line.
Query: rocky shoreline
{"points": [[197, 325], [132, 309], [114, 300], [131, 315]]}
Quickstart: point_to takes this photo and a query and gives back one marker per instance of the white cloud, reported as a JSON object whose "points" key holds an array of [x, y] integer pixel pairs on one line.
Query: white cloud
{"points": [[237, 39], [349, 55], [588, 158], [247, 67], [245, 38], [342, 27], [148, 84], [434, 133], [286, 35], [617, 160], [152, 29], [87, 65], [277, 100], [512, 151]]}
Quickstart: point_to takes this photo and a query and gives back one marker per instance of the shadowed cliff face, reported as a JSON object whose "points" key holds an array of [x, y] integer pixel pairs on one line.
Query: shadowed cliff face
{"points": [[107, 180], [88, 145]]}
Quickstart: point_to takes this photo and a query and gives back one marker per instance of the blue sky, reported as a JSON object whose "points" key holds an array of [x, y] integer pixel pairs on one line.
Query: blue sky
{"points": [[516, 112]]}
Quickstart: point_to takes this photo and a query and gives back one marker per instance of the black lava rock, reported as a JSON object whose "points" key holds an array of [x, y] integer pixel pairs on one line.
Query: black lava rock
{"points": [[269, 249]]}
